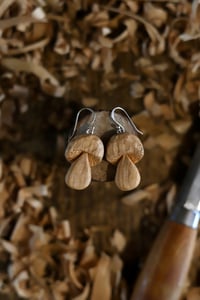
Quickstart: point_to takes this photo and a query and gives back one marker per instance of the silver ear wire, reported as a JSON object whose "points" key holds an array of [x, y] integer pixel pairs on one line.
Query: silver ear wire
{"points": [[120, 128], [89, 126]]}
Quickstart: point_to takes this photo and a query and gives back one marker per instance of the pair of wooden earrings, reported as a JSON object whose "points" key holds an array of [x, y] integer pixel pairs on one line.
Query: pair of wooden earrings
{"points": [[87, 150]]}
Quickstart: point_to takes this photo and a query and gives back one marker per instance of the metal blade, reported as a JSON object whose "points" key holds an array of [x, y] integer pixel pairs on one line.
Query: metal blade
{"points": [[190, 191]]}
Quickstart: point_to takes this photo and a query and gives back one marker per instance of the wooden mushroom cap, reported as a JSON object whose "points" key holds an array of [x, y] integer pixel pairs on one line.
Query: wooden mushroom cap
{"points": [[87, 143], [124, 144]]}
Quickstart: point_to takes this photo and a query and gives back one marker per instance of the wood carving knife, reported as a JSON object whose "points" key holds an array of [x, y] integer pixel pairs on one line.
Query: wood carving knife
{"points": [[164, 273]]}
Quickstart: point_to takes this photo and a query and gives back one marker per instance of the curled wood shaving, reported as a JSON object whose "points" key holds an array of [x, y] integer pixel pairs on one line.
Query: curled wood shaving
{"points": [[167, 141], [4, 224], [35, 205], [63, 230], [39, 238], [102, 285], [26, 166], [38, 265], [174, 53], [26, 287], [20, 232], [4, 195], [132, 27], [85, 293], [89, 257], [59, 289], [20, 65], [118, 240], [155, 15], [9, 247], [116, 267], [15, 268], [20, 282], [135, 197], [18, 176], [53, 216], [38, 13], [7, 23], [28, 48], [61, 47], [181, 126], [158, 42], [4, 6], [73, 275], [51, 89], [26, 193], [192, 30]]}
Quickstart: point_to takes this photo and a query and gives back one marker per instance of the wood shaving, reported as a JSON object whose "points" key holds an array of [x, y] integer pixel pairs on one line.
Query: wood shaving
{"points": [[118, 240], [89, 256], [84, 295], [5, 5], [34, 241], [181, 126], [170, 197], [135, 197], [167, 141], [102, 285], [57, 57], [18, 65], [87, 101], [4, 24], [155, 15]]}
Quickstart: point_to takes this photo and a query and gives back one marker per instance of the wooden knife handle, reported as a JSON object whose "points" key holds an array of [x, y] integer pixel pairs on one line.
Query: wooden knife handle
{"points": [[164, 273]]}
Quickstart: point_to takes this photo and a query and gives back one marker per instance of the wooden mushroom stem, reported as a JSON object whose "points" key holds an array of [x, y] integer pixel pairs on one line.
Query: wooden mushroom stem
{"points": [[84, 152], [125, 149], [79, 174], [127, 175]]}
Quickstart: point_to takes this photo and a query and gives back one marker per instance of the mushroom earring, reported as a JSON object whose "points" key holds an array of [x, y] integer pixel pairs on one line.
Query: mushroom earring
{"points": [[83, 151], [125, 149]]}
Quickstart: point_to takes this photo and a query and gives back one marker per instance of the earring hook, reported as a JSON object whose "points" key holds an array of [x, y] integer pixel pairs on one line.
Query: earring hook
{"points": [[90, 127], [120, 127]]}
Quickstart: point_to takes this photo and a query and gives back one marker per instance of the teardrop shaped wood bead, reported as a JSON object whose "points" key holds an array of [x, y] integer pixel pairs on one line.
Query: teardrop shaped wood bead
{"points": [[79, 174], [127, 176]]}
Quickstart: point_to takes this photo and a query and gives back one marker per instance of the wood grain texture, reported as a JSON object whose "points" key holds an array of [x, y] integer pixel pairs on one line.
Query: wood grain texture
{"points": [[127, 175], [105, 129], [164, 273], [80, 169]]}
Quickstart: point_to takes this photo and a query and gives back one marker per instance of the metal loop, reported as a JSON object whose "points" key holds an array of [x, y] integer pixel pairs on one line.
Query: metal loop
{"points": [[120, 128], [90, 125]]}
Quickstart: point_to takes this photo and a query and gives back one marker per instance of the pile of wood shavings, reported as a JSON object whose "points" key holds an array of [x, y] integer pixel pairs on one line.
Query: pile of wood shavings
{"points": [[63, 45], [56, 57], [39, 257]]}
